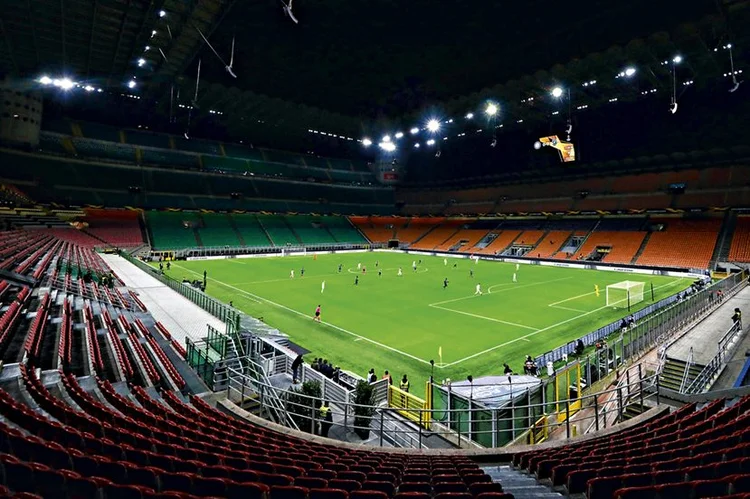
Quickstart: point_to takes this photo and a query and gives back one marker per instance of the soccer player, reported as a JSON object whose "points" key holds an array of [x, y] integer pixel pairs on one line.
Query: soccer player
{"points": [[471, 273], [302, 272], [317, 314], [359, 266], [445, 262], [380, 272], [291, 274], [322, 286], [445, 283], [514, 277], [356, 280], [364, 270], [479, 289], [339, 268], [596, 290], [377, 263], [414, 265], [476, 260], [518, 266], [400, 273], [455, 265]]}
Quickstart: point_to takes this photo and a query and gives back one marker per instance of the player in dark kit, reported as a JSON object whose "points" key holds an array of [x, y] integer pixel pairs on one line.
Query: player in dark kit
{"points": [[356, 280], [445, 283]]}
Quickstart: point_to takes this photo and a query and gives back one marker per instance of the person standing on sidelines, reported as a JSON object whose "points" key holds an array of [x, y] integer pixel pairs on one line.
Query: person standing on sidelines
{"points": [[317, 314]]}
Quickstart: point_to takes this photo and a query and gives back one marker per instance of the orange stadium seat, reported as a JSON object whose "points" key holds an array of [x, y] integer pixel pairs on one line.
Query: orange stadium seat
{"points": [[470, 236], [501, 242], [624, 245], [438, 236], [684, 243], [740, 249], [551, 243]]}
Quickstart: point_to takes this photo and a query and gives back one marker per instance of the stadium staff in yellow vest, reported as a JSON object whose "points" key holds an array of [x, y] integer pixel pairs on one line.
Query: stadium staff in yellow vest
{"points": [[326, 419], [404, 384]]}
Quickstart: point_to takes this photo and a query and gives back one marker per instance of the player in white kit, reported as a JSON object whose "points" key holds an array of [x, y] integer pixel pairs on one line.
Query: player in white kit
{"points": [[479, 289], [291, 274], [322, 286]]}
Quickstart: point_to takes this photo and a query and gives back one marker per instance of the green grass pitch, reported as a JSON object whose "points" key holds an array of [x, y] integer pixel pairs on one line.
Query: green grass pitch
{"points": [[400, 323]]}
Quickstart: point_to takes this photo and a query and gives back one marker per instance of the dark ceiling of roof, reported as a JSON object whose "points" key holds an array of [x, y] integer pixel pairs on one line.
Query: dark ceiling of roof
{"points": [[392, 57]]}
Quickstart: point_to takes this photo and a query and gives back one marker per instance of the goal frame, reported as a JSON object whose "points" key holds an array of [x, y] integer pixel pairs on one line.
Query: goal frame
{"points": [[633, 292]]}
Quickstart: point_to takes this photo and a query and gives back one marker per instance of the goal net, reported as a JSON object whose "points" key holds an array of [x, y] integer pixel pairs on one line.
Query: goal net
{"points": [[625, 293]]}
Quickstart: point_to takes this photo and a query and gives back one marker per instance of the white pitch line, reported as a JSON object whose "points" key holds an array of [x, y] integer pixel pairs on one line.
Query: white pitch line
{"points": [[483, 317], [568, 308], [520, 338], [506, 289], [363, 338], [572, 298]]}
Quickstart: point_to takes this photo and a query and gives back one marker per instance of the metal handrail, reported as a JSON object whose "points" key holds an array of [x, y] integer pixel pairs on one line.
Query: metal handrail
{"points": [[717, 363], [686, 372], [473, 418]]}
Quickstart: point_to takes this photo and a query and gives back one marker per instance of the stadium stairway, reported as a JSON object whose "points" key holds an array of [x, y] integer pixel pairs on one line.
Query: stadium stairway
{"points": [[674, 370], [638, 253], [521, 485], [236, 230], [724, 241]]}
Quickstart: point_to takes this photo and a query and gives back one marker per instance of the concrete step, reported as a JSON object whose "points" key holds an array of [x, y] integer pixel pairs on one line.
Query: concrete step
{"points": [[521, 485]]}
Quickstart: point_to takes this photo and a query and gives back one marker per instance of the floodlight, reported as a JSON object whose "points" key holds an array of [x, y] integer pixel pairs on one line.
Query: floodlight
{"points": [[557, 92], [66, 83], [416, 146], [414, 131], [431, 142], [537, 145], [45, 80], [469, 116], [141, 62], [387, 146], [630, 71], [491, 109], [153, 33], [162, 13], [433, 125], [147, 48], [366, 142], [677, 59], [88, 88], [399, 135], [131, 84], [386, 138]]}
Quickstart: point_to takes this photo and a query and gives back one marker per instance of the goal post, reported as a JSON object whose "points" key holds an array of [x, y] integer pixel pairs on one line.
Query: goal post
{"points": [[625, 294]]}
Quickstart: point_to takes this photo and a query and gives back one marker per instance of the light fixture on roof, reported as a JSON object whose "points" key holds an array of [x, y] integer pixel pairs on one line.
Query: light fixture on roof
{"points": [[141, 62], [387, 146], [416, 146], [399, 135], [147, 48], [153, 33], [469, 116], [366, 142], [88, 88], [414, 131], [162, 13], [131, 84], [491, 109], [386, 138], [433, 125], [45, 80], [65, 83], [431, 142], [677, 59], [557, 92], [629, 71]]}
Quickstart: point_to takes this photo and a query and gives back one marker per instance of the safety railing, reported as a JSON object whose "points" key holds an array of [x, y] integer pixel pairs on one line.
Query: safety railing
{"points": [[235, 251], [728, 344], [468, 426]]}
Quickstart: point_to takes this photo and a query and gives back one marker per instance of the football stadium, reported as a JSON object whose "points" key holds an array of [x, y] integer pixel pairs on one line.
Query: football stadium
{"points": [[313, 250]]}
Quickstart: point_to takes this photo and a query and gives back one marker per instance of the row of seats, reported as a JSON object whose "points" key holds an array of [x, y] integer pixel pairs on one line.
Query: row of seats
{"points": [[176, 447], [683, 243], [119, 228], [740, 248], [704, 453]]}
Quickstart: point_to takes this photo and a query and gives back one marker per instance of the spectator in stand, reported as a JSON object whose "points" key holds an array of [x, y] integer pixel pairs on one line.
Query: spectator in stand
{"points": [[580, 347], [336, 374], [387, 375], [737, 317], [371, 376], [296, 364], [507, 369], [315, 364], [326, 419]]}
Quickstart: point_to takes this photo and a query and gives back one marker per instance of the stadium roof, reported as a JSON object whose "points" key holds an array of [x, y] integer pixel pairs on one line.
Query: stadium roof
{"points": [[351, 67]]}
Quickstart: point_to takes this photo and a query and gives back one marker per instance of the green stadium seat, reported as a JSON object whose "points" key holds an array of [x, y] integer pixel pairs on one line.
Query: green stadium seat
{"points": [[278, 230], [148, 139], [172, 230], [216, 229]]}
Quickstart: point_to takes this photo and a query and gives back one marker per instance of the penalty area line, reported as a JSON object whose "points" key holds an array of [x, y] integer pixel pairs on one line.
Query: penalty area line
{"points": [[260, 299], [483, 317], [521, 338]]}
